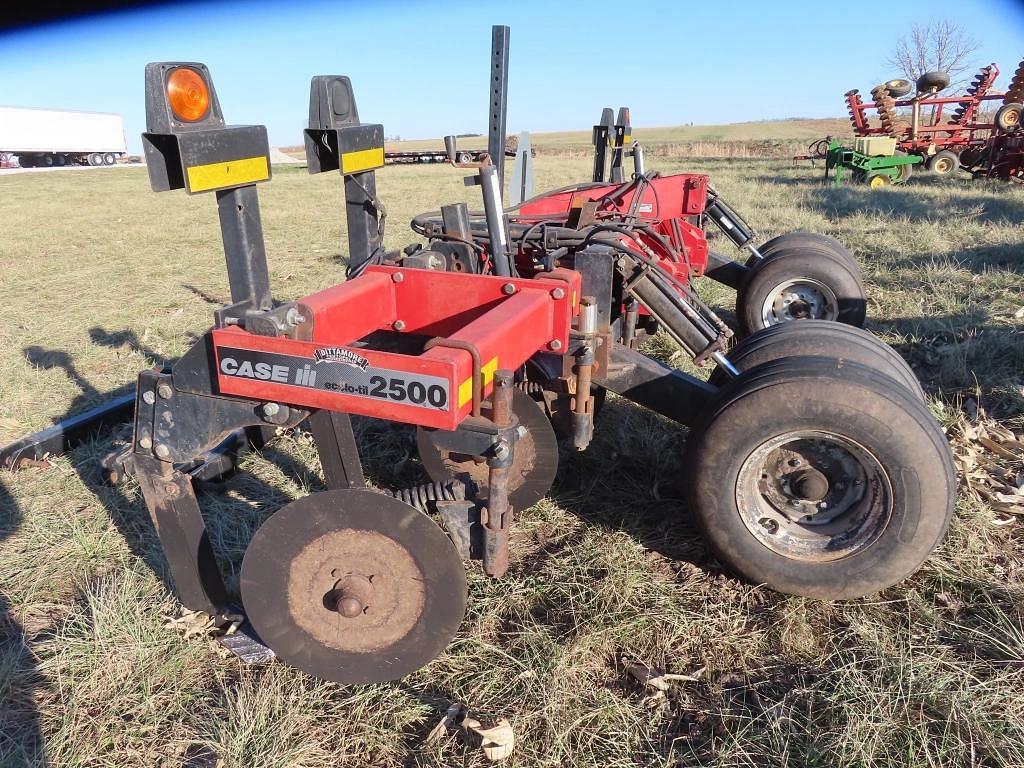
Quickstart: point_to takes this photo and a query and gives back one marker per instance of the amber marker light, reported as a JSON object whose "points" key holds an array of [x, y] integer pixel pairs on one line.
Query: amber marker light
{"points": [[188, 94]]}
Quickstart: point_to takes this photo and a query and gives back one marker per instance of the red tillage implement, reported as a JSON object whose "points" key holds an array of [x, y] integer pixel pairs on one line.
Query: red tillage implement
{"points": [[813, 474]]}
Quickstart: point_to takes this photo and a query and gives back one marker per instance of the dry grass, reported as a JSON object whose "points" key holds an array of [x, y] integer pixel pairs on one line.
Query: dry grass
{"points": [[103, 278]]}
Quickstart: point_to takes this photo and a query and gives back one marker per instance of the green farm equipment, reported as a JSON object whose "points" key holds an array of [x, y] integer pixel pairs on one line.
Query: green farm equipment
{"points": [[873, 161]]}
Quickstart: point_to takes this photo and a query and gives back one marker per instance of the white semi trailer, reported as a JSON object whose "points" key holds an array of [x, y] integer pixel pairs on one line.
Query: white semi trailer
{"points": [[46, 137]]}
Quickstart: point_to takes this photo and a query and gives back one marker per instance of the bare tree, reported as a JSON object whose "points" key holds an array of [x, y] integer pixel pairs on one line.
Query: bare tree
{"points": [[939, 46]]}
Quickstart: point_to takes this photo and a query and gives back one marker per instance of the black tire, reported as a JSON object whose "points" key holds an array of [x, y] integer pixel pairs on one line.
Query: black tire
{"points": [[1008, 117], [95, 158], [849, 425], [970, 157], [801, 237], [898, 88], [109, 158], [944, 163], [26, 161], [929, 80], [821, 338], [60, 160], [46, 161], [820, 284]]}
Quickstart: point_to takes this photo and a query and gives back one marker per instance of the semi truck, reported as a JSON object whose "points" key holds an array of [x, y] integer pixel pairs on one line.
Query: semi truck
{"points": [[49, 137]]}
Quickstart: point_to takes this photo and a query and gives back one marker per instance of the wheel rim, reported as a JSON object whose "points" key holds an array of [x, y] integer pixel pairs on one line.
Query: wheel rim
{"points": [[802, 298], [943, 165], [878, 181], [813, 496]]}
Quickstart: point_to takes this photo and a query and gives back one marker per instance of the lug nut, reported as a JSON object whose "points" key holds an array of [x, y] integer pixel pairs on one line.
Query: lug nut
{"points": [[398, 325], [164, 390], [148, 397], [769, 525], [162, 451], [508, 289], [555, 345], [271, 409], [558, 293]]}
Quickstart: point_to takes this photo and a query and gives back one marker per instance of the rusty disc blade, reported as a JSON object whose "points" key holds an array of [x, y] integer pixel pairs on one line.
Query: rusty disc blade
{"points": [[534, 466], [353, 586]]}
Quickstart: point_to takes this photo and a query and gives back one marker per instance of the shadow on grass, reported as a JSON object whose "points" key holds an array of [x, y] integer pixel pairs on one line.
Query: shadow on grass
{"points": [[21, 741], [977, 258], [957, 356], [999, 207], [629, 480]]}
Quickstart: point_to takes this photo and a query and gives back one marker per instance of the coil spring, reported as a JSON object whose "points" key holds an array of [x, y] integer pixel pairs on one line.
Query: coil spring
{"points": [[531, 388], [421, 496]]}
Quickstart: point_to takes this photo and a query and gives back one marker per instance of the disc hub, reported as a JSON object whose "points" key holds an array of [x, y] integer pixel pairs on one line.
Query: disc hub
{"points": [[353, 586]]}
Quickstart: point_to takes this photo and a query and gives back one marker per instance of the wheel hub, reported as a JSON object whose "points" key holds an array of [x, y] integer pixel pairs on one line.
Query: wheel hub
{"points": [[800, 299], [813, 495]]}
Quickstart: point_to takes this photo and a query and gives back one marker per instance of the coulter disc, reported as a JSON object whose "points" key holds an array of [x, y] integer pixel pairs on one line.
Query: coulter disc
{"points": [[353, 586], [534, 466]]}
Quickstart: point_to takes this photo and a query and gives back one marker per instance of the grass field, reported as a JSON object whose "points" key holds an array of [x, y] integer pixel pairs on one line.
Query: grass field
{"points": [[103, 278]]}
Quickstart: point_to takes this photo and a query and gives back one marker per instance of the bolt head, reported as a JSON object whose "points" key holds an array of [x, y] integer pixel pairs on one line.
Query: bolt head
{"points": [[148, 397], [508, 289], [162, 451], [271, 409], [554, 345], [397, 277], [164, 390], [769, 525], [558, 293], [398, 325], [145, 443]]}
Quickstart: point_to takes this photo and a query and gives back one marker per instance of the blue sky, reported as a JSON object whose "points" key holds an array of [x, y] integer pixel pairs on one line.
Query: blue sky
{"points": [[420, 67]]}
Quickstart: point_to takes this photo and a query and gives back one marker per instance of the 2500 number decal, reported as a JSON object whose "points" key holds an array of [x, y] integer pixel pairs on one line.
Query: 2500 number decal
{"points": [[399, 390]]}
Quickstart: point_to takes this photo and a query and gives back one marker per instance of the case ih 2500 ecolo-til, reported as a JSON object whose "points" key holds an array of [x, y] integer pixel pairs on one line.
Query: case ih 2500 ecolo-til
{"points": [[812, 462]]}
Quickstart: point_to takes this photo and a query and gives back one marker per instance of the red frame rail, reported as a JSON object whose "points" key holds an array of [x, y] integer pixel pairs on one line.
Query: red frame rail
{"points": [[477, 324]]}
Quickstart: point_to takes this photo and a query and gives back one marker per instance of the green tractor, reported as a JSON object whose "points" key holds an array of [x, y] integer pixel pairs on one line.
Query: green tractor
{"points": [[873, 160]]}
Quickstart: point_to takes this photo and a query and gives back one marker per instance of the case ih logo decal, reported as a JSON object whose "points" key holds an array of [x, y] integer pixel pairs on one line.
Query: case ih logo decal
{"points": [[352, 375], [340, 355]]}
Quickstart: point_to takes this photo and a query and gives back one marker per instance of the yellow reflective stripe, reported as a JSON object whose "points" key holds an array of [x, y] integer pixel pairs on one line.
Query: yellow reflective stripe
{"points": [[202, 178], [627, 138], [362, 160], [466, 387]]}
